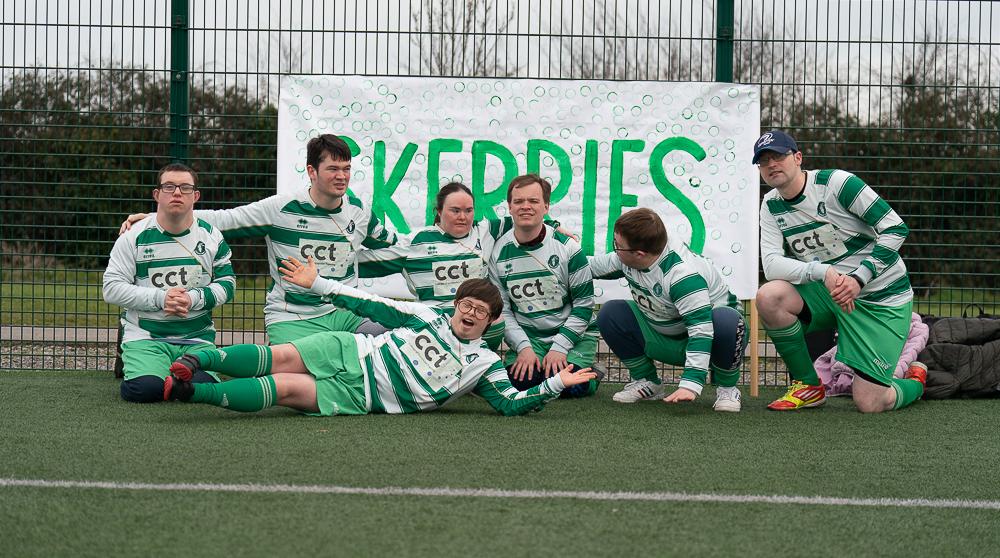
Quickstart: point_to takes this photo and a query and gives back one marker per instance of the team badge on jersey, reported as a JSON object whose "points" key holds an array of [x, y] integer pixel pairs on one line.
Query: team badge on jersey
{"points": [[658, 290], [479, 244], [554, 261], [199, 248], [469, 359], [350, 226], [821, 209]]}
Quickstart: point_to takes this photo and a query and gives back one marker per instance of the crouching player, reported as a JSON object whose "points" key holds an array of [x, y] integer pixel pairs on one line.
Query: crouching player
{"points": [[168, 273], [429, 360], [681, 313]]}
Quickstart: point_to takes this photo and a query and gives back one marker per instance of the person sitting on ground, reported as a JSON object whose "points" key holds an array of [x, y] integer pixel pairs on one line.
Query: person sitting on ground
{"points": [[427, 360], [168, 273]]}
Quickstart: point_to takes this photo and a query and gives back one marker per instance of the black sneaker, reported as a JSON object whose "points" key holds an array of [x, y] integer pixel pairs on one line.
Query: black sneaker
{"points": [[175, 389], [185, 367]]}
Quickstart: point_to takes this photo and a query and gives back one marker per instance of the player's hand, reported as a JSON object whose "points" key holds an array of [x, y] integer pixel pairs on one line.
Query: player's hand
{"points": [[845, 292], [177, 302], [129, 220], [840, 287], [563, 230], [680, 396], [570, 378], [298, 273], [553, 362], [525, 365]]}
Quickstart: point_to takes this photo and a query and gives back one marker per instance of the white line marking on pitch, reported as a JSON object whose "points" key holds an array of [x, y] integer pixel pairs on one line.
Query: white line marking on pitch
{"points": [[497, 493]]}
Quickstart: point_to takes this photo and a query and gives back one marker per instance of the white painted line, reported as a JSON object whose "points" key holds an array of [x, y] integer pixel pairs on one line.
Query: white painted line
{"points": [[529, 494]]}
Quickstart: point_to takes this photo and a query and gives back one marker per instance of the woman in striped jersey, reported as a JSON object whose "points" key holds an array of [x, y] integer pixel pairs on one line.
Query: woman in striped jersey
{"points": [[428, 359], [435, 260]]}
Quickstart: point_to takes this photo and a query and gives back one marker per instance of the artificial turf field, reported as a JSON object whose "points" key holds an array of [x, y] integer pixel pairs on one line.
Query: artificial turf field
{"points": [[632, 480]]}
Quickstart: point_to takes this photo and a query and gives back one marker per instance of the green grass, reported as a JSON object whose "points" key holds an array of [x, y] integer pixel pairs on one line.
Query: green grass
{"points": [[72, 426]]}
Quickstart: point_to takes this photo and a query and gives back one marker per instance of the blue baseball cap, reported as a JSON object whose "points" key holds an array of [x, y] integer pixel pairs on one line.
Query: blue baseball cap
{"points": [[776, 141]]}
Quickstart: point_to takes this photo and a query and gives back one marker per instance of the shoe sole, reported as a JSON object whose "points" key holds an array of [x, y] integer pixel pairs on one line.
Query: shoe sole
{"points": [[728, 408], [807, 406]]}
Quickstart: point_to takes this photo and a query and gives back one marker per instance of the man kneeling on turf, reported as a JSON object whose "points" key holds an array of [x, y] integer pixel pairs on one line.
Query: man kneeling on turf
{"points": [[429, 360], [681, 313]]}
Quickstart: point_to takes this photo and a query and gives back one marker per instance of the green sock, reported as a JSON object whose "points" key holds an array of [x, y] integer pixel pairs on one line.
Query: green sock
{"points": [[791, 345], [641, 368], [725, 378], [238, 361], [245, 394], [907, 391]]}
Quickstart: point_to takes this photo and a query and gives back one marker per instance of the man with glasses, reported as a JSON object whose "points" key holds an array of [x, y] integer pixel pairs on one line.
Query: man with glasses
{"points": [[428, 359], [324, 222], [830, 250], [681, 313], [168, 272], [547, 289]]}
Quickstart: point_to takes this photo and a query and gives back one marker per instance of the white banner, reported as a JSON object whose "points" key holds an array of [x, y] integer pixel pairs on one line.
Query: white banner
{"points": [[682, 149]]}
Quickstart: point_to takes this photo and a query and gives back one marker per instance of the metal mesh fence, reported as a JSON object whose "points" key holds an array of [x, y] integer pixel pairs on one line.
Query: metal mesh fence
{"points": [[96, 95]]}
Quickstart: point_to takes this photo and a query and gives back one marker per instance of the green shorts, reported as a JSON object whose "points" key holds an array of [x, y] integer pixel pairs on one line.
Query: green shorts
{"points": [[332, 358], [582, 354], [147, 357], [338, 320], [869, 339]]}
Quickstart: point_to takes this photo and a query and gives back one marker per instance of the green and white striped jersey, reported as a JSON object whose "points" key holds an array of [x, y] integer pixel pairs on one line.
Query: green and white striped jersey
{"points": [[547, 290], [434, 263], [147, 261], [293, 226], [838, 220], [676, 295], [421, 365]]}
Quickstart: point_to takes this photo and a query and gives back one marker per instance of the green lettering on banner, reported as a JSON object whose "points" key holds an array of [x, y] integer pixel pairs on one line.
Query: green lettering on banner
{"points": [[434, 150], [617, 198], [671, 192], [589, 197], [486, 200], [382, 204], [561, 188]]}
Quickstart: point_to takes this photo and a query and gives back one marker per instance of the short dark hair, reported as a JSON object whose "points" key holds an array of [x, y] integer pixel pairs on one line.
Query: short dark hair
{"points": [[445, 191], [527, 180], [326, 143], [483, 290], [177, 167], [643, 230]]}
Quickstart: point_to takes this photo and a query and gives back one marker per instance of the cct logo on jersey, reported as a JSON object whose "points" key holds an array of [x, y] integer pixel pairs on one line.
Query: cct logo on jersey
{"points": [[449, 275], [535, 294], [333, 259], [820, 244], [185, 276], [431, 361], [649, 305]]}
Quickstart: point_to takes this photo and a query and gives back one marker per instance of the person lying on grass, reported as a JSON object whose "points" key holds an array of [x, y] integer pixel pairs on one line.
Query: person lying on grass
{"points": [[425, 361]]}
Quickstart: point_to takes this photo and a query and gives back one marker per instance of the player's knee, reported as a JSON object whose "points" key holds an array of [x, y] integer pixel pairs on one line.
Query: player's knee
{"points": [[615, 317], [142, 389], [775, 298], [728, 342]]}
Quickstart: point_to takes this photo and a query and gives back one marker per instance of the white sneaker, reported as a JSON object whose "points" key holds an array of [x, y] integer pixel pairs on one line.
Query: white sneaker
{"points": [[639, 390], [727, 399]]}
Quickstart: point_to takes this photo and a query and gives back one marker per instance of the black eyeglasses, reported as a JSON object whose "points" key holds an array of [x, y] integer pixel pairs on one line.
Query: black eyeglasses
{"points": [[469, 308], [620, 249], [170, 188]]}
